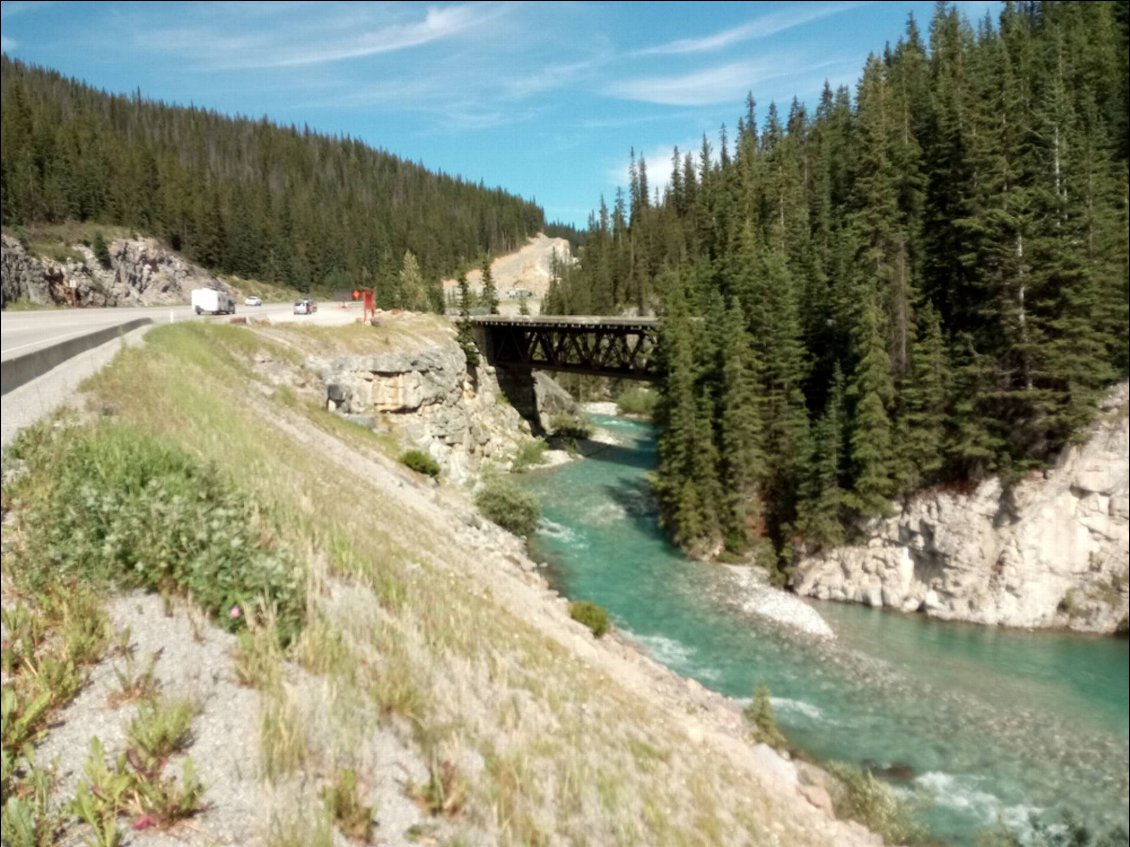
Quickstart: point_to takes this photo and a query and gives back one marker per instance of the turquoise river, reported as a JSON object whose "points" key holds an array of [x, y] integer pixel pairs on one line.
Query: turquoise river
{"points": [[983, 726]]}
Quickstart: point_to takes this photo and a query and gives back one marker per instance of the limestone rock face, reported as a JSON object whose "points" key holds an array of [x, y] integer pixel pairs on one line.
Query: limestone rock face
{"points": [[141, 273], [144, 273], [1051, 551], [21, 276], [428, 398]]}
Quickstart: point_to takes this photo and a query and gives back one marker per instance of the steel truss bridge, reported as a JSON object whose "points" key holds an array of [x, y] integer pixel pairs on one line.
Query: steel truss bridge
{"points": [[623, 348]]}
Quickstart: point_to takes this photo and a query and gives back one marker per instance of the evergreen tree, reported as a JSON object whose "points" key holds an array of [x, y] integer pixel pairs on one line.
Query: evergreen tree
{"points": [[922, 426], [822, 499], [489, 293], [101, 251], [739, 437], [872, 392], [412, 287], [465, 334]]}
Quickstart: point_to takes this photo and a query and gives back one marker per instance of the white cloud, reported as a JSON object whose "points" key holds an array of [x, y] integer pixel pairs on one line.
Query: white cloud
{"points": [[658, 161], [553, 77], [721, 84], [761, 27], [7, 44], [322, 34]]}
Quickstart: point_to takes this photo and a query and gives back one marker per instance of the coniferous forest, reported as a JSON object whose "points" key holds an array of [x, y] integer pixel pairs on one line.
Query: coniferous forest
{"points": [[240, 196], [922, 283]]}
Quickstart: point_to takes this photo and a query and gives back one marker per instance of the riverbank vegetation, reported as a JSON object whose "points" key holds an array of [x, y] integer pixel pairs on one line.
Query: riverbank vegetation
{"points": [[922, 282]]}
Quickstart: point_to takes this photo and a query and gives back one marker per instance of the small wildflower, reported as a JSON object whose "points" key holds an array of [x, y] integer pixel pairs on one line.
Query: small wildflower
{"points": [[235, 612]]}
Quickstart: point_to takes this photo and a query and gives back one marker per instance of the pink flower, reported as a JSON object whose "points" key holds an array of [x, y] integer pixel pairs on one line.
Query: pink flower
{"points": [[235, 612]]}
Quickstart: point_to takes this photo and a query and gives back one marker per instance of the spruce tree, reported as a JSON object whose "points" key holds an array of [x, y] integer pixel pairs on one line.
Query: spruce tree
{"points": [[822, 499], [925, 398], [412, 287], [465, 334], [489, 292], [101, 251], [739, 433], [872, 394]]}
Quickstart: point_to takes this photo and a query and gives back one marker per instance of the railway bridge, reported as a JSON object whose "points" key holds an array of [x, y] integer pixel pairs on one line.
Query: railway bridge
{"points": [[618, 347]]}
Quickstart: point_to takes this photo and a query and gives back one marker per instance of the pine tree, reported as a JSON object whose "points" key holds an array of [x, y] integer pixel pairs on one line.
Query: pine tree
{"points": [[465, 334], [412, 287], [739, 439], [822, 499], [925, 400], [872, 392], [489, 292], [101, 251]]}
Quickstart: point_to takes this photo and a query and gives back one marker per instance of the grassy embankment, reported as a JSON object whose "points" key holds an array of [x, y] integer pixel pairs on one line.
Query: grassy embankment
{"points": [[376, 597]]}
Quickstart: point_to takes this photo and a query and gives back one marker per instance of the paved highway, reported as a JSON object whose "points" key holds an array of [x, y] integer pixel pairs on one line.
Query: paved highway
{"points": [[26, 332]]}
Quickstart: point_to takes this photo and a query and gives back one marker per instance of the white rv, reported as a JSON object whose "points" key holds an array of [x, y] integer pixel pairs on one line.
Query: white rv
{"points": [[209, 301]]}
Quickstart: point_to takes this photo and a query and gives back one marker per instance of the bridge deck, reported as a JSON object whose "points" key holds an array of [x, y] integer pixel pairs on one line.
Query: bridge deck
{"points": [[567, 321]]}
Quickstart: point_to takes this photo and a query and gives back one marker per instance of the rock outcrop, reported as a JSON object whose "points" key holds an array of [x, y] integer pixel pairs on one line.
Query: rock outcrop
{"points": [[1050, 551], [428, 398], [141, 273], [530, 268]]}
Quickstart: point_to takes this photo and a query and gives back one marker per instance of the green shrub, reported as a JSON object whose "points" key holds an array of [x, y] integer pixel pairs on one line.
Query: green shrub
{"points": [[101, 251], [511, 507], [591, 615], [529, 455], [637, 401], [760, 714], [119, 506], [570, 426], [863, 797], [421, 462]]}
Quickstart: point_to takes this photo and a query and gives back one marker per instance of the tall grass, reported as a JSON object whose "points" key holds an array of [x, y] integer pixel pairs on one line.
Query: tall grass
{"points": [[405, 629]]}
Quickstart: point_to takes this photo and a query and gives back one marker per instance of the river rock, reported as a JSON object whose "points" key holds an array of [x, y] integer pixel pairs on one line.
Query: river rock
{"points": [[756, 596], [1050, 551]]}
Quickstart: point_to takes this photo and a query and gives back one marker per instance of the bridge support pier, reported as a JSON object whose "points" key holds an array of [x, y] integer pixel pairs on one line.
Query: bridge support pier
{"points": [[520, 388]]}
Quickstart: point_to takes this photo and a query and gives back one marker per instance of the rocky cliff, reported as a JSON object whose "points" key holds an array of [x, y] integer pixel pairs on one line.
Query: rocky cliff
{"points": [[529, 268], [1050, 551], [427, 397], [141, 273]]}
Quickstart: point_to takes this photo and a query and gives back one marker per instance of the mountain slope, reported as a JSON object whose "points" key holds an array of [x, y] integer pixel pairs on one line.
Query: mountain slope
{"points": [[237, 195]]}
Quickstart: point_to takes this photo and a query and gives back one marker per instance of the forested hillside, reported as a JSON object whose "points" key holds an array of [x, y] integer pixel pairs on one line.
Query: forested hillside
{"points": [[924, 282], [237, 195]]}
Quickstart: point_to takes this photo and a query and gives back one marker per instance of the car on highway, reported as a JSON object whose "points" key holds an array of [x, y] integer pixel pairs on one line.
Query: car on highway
{"points": [[305, 307], [253, 301]]}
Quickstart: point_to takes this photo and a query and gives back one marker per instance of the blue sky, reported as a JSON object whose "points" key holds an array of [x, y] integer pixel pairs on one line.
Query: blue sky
{"points": [[542, 99]]}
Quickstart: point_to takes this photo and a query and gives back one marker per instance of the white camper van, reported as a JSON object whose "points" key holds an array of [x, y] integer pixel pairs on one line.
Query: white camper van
{"points": [[209, 301]]}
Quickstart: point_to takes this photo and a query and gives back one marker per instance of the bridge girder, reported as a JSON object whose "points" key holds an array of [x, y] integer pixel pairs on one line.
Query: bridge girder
{"points": [[611, 347]]}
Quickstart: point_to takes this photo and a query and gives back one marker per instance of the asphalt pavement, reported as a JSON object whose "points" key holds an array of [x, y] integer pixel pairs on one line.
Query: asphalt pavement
{"points": [[26, 332]]}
